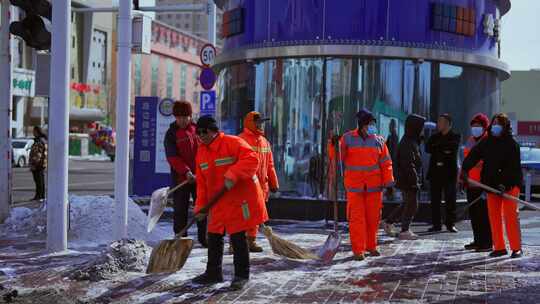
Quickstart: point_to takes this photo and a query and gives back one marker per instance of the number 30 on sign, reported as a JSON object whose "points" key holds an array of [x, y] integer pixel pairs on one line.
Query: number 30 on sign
{"points": [[208, 55]]}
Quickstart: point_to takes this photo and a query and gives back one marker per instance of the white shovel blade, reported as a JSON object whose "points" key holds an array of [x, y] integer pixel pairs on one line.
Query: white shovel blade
{"points": [[158, 202]]}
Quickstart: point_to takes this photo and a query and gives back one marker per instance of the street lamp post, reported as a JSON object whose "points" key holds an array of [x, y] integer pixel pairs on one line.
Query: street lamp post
{"points": [[57, 182]]}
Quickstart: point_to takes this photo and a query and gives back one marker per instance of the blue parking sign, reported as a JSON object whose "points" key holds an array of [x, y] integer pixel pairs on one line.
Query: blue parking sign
{"points": [[208, 103]]}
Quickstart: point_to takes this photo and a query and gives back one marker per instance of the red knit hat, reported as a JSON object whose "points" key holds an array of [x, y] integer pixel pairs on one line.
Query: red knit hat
{"points": [[481, 119], [182, 108]]}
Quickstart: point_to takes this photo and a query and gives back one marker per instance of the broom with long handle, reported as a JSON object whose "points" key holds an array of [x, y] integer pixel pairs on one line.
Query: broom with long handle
{"points": [[505, 195]]}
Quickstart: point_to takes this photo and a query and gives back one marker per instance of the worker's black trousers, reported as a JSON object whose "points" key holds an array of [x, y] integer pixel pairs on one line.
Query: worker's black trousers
{"points": [[240, 255], [449, 190], [478, 213], [181, 207]]}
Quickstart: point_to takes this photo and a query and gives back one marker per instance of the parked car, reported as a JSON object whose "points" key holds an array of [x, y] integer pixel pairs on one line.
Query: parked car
{"points": [[530, 162], [21, 151]]}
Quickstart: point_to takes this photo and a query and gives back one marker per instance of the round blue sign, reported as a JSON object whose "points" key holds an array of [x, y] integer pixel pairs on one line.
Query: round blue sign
{"points": [[207, 78], [166, 107]]}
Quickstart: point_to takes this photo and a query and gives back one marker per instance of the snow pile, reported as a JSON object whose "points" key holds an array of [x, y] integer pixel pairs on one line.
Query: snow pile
{"points": [[124, 255], [91, 221]]}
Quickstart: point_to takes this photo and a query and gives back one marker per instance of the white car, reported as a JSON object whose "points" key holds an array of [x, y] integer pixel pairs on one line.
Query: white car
{"points": [[21, 151]]}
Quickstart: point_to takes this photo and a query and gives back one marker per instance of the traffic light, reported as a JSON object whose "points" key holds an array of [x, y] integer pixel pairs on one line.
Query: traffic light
{"points": [[33, 28], [136, 5]]}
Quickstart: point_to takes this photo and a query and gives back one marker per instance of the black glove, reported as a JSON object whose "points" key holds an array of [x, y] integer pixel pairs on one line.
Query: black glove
{"points": [[335, 139], [502, 190]]}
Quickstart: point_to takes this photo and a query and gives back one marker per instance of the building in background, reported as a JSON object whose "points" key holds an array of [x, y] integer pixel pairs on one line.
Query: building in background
{"points": [[172, 69], [521, 100], [194, 23], [90, 75], [311, 65]]}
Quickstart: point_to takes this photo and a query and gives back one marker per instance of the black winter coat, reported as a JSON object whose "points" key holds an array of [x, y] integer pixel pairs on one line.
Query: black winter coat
{"points": [[443, 162], [408, 162], [502, 161]]}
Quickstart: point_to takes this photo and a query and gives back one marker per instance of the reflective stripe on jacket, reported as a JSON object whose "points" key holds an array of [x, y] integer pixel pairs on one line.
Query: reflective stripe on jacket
{"points": [[266, 171], [367, 163], [243, 206]]}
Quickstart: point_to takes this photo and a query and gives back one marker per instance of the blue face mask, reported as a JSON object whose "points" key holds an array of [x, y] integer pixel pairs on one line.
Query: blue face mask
{"points": [[496, 130], [477, 131], [372, 130]]}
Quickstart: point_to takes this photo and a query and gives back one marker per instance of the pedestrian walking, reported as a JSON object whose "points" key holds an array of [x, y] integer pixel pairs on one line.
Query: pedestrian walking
{"points": [[38, 162], [181, 148], [478, 210], [442, 174], [368, 171], [253, 134], [227, 161], [501, 170], [408, 166]]}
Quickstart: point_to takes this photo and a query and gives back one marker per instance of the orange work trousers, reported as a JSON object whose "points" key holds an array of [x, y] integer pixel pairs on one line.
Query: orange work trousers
{"points": [[364, 216], [500, 208]]}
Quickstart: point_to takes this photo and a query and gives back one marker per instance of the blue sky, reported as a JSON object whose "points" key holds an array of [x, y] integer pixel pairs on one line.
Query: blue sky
{"points": [[521, 35]]}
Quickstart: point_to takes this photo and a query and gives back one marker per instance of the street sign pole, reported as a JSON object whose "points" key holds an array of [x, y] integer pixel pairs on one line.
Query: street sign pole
{"points": [[211, 22], [57, 184], [123, 103], [5, 111]]}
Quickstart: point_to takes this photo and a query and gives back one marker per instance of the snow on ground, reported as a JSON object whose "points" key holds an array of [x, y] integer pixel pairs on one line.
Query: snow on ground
{"points": [[434, 268], [91, 222]]}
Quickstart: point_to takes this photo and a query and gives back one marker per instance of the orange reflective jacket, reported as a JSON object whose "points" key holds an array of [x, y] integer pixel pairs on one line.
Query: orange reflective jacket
{"points": [[368, 166], [240, 208], [266, 171], [476, 172]]}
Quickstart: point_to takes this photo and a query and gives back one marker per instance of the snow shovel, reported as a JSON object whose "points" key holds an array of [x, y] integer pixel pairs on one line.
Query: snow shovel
{"points": [[505, 195], [158, 202], [171, 255], [331, 246]]}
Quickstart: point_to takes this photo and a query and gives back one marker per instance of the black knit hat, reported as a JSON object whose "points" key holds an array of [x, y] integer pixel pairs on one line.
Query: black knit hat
{"points": [[207, 122], [365, 117]]}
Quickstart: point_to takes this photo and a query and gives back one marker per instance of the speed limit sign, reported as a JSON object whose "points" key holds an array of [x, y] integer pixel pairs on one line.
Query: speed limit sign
{"points": [[208, 54]]}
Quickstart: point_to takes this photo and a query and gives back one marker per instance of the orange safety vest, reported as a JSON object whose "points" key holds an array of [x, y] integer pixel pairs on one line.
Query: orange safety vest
{"points": [[476, 172], [243, 206], [266, 171], [368, 165]]}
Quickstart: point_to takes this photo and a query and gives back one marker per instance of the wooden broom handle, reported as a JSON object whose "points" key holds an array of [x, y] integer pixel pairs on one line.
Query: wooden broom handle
{"points": [[204, 209], [505, 195]]}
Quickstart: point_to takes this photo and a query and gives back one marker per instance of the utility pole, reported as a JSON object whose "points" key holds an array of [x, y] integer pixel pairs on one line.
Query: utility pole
{"points": [[123, 103], [5, 111], [57, 185], [211, 11]]}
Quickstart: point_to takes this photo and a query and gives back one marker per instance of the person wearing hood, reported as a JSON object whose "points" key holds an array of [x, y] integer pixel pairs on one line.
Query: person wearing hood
{"points": [[253, 134], [368, 171], [478, 211], [181, 148], [443, 172], [38, 162], [501, 170], [408, 171]]}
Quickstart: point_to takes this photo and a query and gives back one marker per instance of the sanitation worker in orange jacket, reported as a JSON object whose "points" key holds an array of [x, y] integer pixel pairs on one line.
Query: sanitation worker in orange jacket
{"points": [[253, 134], [368, 171], [227, 161]]}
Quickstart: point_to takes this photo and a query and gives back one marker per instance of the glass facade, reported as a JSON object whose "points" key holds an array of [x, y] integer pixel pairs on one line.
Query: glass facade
{"points": [[155, 75], [309, 99]]}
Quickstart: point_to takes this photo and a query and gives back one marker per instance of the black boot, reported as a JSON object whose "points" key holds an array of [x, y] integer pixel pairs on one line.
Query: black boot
{"points": [[241, 260], [213, 272]]}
